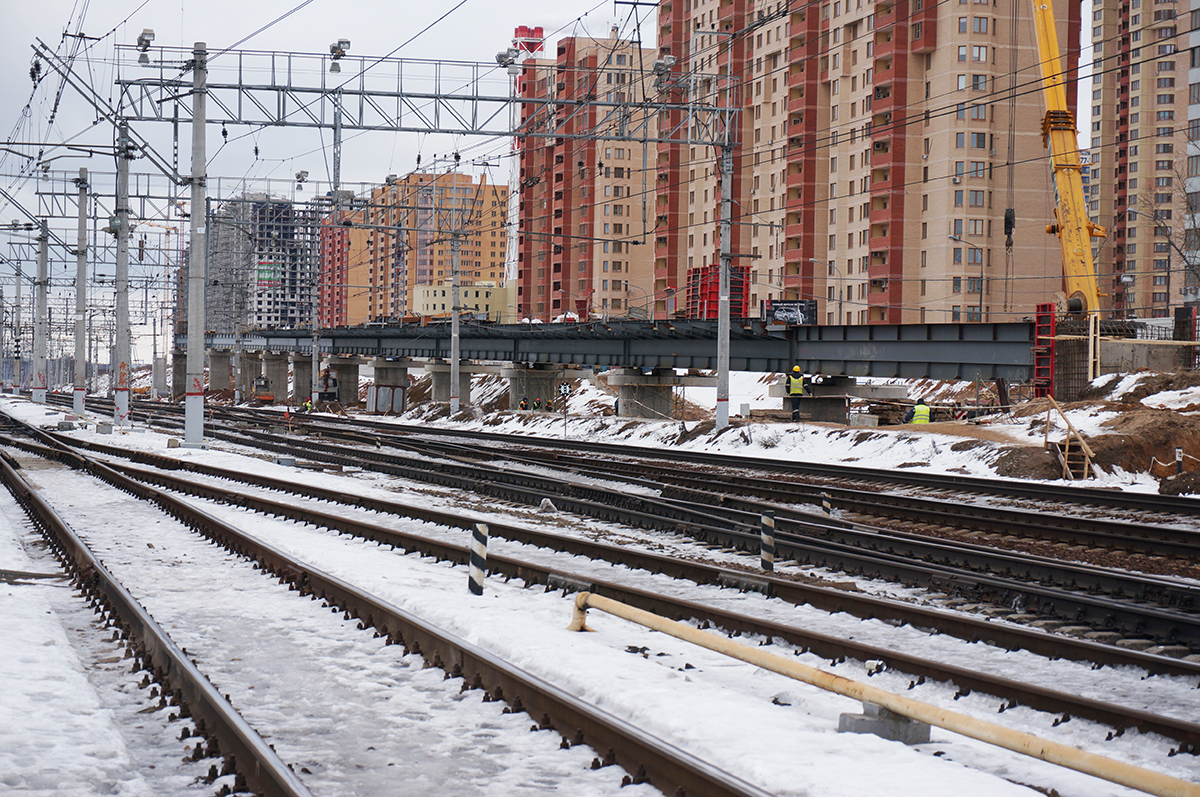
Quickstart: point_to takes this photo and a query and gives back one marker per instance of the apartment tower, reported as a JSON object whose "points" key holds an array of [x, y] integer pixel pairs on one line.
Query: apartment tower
{"points": [[399, 240], [1141, 153], [879, 146], [584, 244]]}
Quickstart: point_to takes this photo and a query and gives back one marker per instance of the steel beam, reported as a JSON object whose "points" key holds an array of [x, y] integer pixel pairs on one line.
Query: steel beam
{"points": [[911, 351]]}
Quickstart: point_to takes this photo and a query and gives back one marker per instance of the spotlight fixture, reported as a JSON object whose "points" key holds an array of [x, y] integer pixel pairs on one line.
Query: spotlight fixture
{"points": [[337, 51]]}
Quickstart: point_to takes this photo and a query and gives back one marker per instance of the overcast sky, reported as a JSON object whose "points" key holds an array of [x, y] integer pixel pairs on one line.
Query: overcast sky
{"points": [[451, 30]]}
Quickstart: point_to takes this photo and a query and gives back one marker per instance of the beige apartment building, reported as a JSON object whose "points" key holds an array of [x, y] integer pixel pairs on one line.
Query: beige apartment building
{"points": [[1139, 97], [871, 133], [401, 238], [585, 215]]}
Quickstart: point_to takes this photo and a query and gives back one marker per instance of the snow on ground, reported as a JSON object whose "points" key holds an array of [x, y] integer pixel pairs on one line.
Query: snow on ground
{"points": [[56, 737], [789, 749]]}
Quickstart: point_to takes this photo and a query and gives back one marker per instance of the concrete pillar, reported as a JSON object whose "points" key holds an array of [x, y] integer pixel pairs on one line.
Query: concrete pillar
{"points": [[346, 371], [650, 395], [390, 391], [275, 369], [250, 370], [440, 371], [537, 381], [220, 369], [159, 377], [646, 398], [393, 373], [178, 374], [301, 377]]}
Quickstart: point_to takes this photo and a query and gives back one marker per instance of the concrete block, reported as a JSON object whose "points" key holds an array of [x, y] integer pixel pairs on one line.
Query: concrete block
{"points": [[287, 462], [104, 428], [65, 426], [863, 419], [172, 442], [884, 724]]}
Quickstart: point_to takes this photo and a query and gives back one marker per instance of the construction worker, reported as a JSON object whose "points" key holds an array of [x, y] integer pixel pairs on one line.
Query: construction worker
{"points": [[537, 404], [524, 405], [795, 389], [920, 413], [307, 405]]}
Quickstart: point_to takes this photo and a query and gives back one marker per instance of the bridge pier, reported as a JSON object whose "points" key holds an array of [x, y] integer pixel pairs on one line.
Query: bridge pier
{"points": [[440, 371], [249, 369], [178, 374], [651, 395], [533, 381], [346, 371], [220, 369], [275, 369], [390, 391], [301, 377]]}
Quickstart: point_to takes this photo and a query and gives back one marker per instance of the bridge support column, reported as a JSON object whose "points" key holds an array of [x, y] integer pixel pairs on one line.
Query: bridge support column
{"points": [[275, 369], [536, 381], [250, 369], [346, 371], [301, 377], [178, 374], [440, 371], [390, 391], [651, 395], [220, 369]]}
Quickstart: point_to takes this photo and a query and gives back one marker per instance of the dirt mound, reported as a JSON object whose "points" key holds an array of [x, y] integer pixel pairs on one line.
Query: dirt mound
{"points": [[1183, 484], [1148, 385], [1028, 462], [1142, 434]]}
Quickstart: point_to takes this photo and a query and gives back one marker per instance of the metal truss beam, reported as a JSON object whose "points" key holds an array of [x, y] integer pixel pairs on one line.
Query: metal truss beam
{"points": [[910, 351], [399, 95]]}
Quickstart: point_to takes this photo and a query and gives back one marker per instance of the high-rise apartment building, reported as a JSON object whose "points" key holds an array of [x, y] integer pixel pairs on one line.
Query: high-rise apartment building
{"points": [[1190, 288], [400, 238], [1140, 133], [585, 226], [879, 146], [263, 263]]}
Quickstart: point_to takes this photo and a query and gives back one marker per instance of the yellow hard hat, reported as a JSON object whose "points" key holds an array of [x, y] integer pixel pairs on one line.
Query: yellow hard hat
{"points": [[796, 368]]}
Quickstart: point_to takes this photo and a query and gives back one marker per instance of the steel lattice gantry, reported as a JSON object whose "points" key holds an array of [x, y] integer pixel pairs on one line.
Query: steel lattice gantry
{"points": [[276, 89], [910, 351]]}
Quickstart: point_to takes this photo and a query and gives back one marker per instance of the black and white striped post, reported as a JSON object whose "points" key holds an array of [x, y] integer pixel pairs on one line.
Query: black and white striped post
{"points": [[479, 539], [767, 540], [825, 504]]}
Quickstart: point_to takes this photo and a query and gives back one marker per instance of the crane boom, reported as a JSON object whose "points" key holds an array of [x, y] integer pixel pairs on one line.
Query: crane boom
{"points": [[1072, 225]]}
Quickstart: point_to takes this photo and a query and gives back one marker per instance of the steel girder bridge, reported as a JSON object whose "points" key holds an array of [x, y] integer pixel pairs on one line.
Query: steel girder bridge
{"points": [[909, 351]]}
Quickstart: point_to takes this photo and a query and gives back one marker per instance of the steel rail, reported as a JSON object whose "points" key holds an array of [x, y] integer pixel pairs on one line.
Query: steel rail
{"points": [[799, 593], [720, 525], [1012, 693], [646, 757], [227, 734], [1184, 506], [921, 560]]}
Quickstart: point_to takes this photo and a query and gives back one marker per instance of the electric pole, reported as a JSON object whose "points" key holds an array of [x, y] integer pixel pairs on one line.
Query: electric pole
{"points": [[197, 276], [80, 391], [40, 313]]}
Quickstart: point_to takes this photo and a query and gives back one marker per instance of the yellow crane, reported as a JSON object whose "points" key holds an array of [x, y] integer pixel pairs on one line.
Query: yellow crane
{"points": [[1072, 225]]}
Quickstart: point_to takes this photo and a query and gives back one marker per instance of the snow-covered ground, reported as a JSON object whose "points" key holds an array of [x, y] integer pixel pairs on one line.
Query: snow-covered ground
{"points": [[771, 731]]}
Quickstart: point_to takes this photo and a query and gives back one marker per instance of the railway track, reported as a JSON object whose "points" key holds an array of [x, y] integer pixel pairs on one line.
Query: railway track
{"points": [[969, 685], [1133, 609], [1077, 521], [645, 758], [694, 571]]}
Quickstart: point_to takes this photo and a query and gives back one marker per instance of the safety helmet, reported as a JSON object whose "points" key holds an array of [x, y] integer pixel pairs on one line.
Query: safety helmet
{"points": [[796, 368]]}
